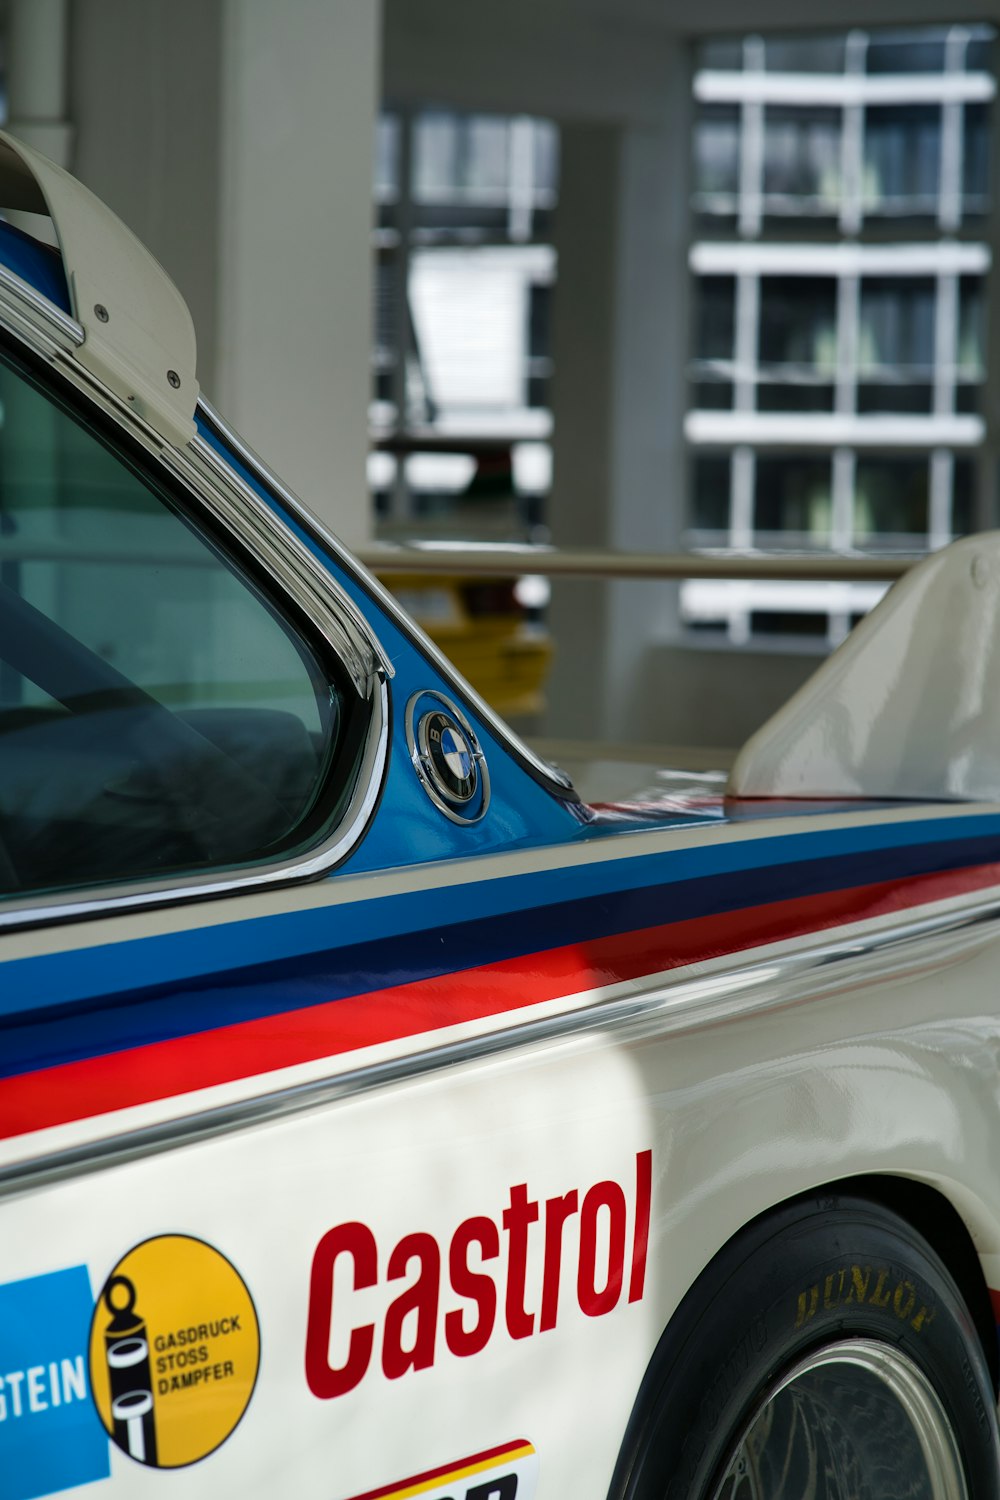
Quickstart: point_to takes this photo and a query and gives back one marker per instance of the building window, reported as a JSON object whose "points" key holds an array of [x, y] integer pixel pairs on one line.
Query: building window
{"points": [[801, 169], [462, 362], [841, 184]]}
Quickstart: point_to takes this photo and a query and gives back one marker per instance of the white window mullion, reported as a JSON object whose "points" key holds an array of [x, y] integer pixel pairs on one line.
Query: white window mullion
{"points": [[842, 501], [746, 347], [952, 137], [399, 494], [751, 147], [950, 185], [852, 141], [942, 481], [741, 501], [848, 327], [945, 343], [521, 178], [742, 482]]}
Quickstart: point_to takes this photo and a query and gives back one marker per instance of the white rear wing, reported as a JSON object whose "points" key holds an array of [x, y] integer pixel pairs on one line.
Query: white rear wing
{"points": [[909, 706]]}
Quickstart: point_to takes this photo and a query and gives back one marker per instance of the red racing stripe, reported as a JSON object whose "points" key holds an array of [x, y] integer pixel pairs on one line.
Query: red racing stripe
{"points": [[181, 1065]]}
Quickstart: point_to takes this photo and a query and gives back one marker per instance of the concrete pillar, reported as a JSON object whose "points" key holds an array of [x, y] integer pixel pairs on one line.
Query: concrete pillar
{"points": [[238, 146], [144, 101], [37, 69], [298, 125], [650, 459], [986, 500], [583, 336], [621, 341]]}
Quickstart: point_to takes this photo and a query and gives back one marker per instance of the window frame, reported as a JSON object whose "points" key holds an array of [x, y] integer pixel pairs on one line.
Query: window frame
{"points": [[263, 551]]}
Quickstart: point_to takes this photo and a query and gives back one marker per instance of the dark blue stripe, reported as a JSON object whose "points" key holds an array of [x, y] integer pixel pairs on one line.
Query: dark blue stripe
{"points": [[250, 991], [123, 968]]}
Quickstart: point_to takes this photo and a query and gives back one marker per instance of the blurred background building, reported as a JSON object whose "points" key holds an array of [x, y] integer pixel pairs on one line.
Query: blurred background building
{"points": [[842, 185], [621, 275]]}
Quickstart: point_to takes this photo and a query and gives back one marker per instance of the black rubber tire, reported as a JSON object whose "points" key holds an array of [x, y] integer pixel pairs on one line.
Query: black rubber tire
{"points": [[753, 1315]]}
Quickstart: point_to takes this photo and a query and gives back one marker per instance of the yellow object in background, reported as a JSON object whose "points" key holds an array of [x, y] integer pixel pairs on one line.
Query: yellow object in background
{"points": [[480, 626]]}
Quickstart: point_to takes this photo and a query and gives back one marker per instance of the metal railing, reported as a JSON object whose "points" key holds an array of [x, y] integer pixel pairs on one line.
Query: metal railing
{"points": [[487, 560]]}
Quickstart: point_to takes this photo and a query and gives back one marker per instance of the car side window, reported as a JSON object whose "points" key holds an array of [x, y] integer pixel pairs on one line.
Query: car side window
{"points": [[159, 715]]}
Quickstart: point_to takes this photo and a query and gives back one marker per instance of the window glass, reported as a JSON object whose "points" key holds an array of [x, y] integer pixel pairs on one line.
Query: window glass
{"points": [[891, 501], [902, 161], [896, 356], [797, 343], [158, 716], [962, 497], [715, 318], [804, 54], [976, 158], [907, 52], [717, 157], [711, 492], [725, 54], [794, 497], [897, 325], [802, 156], [972, 329], [798, 323]]}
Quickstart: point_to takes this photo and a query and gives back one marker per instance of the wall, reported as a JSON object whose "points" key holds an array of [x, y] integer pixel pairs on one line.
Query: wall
{"points": [[295, 326], [144, 102], [238, 146]]}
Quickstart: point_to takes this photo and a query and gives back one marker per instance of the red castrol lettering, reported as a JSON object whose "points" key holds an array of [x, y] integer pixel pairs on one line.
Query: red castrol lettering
{"points": [[610, 1259]]}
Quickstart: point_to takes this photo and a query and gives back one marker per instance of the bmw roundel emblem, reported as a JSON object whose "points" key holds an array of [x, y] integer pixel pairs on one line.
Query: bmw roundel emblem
{"points": [[447, 757], [449, 754]]}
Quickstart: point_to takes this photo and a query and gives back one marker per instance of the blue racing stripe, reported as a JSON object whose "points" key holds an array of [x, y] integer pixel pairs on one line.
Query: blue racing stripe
{"points": [[357, 952], [119, 968]]}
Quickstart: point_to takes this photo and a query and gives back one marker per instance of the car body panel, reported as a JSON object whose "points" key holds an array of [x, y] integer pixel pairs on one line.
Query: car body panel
{"points": [[445, 1124]]}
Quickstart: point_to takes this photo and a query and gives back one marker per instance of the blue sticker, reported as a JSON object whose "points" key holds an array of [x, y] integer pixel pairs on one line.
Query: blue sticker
{"points": [[50, 1434]]}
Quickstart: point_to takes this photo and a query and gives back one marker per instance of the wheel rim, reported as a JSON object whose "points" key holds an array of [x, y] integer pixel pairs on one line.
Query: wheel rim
{"points": [[857, 1420]]}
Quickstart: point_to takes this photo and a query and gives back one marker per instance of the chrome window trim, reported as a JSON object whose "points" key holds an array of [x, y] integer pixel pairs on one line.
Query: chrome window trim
{"points": [[41, 315], [551, 776], [280, 552], [294, 573], [667, 1006]]}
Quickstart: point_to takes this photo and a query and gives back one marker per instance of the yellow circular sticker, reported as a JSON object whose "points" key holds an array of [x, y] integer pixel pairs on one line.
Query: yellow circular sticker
{"points": [[174, 1351]]}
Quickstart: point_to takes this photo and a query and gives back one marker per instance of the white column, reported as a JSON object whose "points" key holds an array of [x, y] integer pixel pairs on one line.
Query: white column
{"points": [[144, 94], [752, 147], [746, 342], [621, 349], [848, 340], [299, 103], [852, 146], [583, 337], [942, 472], [987, 495], [37, 71]]}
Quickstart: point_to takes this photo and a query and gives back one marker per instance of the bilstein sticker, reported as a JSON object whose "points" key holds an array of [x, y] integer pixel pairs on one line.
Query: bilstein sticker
{"points": [[50, 1439], [174, 1351], [507, 1473]]}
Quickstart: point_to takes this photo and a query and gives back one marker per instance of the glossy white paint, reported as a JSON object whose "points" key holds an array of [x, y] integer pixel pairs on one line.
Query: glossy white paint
{"points": [[909, 706], [351, 1195], [897, 1076]]}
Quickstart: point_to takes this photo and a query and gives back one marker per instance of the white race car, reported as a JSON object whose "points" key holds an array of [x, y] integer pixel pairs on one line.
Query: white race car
{"points": [[380, 1120]]}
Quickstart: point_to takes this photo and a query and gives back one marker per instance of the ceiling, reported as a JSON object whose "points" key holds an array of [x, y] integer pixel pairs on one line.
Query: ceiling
{"points": [[593, 59]]}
